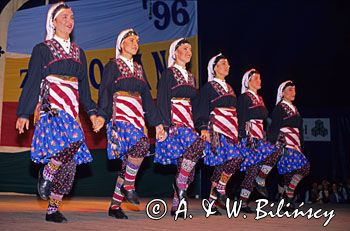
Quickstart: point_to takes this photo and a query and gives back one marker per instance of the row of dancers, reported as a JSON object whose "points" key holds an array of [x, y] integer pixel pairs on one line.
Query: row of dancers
{"points": [[226, 131]]}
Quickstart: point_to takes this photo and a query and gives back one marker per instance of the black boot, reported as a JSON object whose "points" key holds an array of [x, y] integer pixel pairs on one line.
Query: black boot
{"points": [[291, 206], [181, 214], [130, 196], [117, 213], [221, 198], [246, 209], [56, 217], [217, 212], [262, 190], [181, 193], [43, 186]]}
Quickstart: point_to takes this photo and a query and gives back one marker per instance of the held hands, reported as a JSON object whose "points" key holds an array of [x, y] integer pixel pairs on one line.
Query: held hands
{"points": [[161, 134], [22, 123], [97, 122], [205, 135]]}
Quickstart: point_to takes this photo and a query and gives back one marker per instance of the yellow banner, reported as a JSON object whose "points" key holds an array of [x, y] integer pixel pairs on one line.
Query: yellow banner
{"points": [[153, 57]]}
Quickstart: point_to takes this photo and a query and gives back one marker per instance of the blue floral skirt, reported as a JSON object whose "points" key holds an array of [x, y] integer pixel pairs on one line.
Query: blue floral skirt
{"points": [[290, 161], [224, 151], [174, 146], [252, 156], [121, 138], [52, 135]]}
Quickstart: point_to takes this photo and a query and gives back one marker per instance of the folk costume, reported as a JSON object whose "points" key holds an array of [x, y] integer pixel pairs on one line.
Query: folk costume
{"points": [[218, 116], [126, 104], [176, 94], [57, 82], [251, 112], [287, 127]]}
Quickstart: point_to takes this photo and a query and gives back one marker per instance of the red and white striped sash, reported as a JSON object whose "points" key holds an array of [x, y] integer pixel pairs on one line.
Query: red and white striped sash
{"points": [[292, 137], [224, 121], [181, 112], [256, 129], [63, 94], [127, 107]]}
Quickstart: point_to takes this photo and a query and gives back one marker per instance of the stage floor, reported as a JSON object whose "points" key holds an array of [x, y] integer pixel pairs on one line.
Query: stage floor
{"points": [[27, 212]]}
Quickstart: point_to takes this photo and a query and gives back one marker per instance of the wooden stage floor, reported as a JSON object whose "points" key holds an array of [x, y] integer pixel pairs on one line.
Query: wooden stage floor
{"points": [[27, 212]]}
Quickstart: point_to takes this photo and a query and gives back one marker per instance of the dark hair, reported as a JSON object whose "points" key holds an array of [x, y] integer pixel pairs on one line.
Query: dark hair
{"points": [[289, 84], [252, 73], [62, 6], [132, 32], [182, 41], [217, 59]]}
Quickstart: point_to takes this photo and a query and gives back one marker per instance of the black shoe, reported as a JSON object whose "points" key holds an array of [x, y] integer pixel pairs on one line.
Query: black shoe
{"points": [[291, 206], [246, 209], [262, 190], [117, 213], [130, 196], [181, 214], [181, 193], [56, 217], [43, 186], [217, 212], [221, 198]]}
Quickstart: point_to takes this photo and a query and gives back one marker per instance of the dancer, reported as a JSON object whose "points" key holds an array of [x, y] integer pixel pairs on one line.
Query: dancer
{"points": [[175, 96], [288, 124], [219, 127], [57, 78], [251, 113], [125, 102]]}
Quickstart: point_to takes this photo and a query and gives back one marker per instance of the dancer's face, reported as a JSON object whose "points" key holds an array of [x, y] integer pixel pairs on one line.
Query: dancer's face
{"points": [[64, 23], [130, 45], [183, 53], [222, 68], [255, 82], [289, 93]]}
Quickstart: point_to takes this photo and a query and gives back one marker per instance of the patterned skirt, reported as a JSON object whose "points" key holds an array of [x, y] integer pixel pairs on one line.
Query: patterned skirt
{"points": [[258, 151], [121, 138], [290, 161], [52, 135], [226, 149], [174, 146]]}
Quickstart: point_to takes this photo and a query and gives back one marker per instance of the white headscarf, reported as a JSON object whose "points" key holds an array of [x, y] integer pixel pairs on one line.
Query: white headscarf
{"points": [[280, 91], [211, 72], [245, 80], [50, 28], [171, 57], [120, 40]]}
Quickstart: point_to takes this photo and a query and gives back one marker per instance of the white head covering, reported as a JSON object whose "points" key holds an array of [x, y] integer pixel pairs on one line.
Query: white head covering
{"points": [[120, 40], [171, 57], [245, 80], [50, 28], [280, 91], [211, 72]]}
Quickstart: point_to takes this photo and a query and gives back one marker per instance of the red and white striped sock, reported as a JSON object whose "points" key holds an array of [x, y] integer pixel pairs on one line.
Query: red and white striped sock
{"points": [[130, 176], [117, 197], [185, 171], [292, 185], [224, 178], [264, 171], [244, 197]]}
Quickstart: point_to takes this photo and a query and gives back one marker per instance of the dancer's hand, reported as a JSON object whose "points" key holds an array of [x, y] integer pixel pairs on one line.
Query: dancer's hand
{"points": [[22, 123], [93, 120], [205, 135], [161, 134], [99, 122]]}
